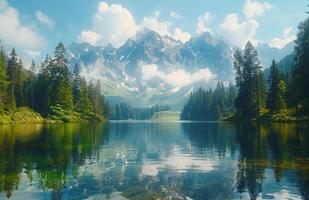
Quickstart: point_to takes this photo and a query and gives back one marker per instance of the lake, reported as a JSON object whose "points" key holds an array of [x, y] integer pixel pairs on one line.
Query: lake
{"points": [[145, 160]]}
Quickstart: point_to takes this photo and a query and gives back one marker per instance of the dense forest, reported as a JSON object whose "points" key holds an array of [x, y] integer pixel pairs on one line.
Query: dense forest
{"points": [[279, 93], [124, 111], [53, 91], [284, 97], [210, 104]]}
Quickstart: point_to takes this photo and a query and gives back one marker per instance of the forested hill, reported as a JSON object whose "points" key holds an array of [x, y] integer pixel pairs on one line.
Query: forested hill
{"points": [[124, 111], [53, 91], [210, 105]]}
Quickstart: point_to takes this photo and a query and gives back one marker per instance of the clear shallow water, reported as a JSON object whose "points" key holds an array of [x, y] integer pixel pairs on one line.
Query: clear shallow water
{"points": [[125, 160]]}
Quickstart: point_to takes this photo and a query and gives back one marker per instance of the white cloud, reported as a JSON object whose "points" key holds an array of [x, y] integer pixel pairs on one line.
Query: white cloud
{"points": [[180, 163], [89, 36], [287, 31], [14, 33], [44, 19], [201, 23], [33, 54], [255, 8], [3, 4], [152, 23], [164, 28], [111, 24], [238, 33], [181, 36], [178, 78], [287, 37], [175, 15]]}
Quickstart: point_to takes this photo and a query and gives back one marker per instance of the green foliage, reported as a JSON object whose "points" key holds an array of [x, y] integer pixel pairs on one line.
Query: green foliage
{"points": [[209, 105], [20, 115], [16, 77], [250, 83], [124, 111], [300, 72], [282, 94], [53, 91], [61, 88], [59, 113], [277, 90], [166, 116], [3, 81], [284, 115]]}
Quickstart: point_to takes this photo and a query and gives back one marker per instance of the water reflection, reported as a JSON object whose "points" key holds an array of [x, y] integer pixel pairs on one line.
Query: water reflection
{"points": [[154, 161], [45, 156]]}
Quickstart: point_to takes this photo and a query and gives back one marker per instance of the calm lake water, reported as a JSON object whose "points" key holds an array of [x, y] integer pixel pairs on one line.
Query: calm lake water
{"points": [[126, 160]]}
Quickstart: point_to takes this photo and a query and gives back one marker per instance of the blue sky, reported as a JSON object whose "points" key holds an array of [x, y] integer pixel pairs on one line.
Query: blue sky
{"points": [[45, 23]]}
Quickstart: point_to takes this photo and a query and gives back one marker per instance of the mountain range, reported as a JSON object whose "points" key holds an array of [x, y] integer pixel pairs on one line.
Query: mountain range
{"points": [[150, 69]]}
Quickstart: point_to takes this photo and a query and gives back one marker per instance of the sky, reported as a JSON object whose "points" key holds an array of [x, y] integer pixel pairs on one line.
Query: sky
{"points": [[34, 27]]}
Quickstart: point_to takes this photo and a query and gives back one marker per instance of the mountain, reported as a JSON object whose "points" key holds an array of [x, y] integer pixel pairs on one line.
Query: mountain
{"points": [[149, 69], [267, 53], [285, 65]]}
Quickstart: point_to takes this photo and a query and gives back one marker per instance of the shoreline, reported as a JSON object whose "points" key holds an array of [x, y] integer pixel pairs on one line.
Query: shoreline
{"points": [[25, 115]]}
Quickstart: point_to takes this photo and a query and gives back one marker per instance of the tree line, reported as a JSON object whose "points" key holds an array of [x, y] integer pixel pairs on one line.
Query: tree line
{"points": [[53, 91], [210, 104], [124, 111]]}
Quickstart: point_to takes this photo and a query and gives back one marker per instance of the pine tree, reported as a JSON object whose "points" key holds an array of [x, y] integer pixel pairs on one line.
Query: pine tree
{"points": [[77, 90], [12, 77], [19, 89], [250, 82], [277, 89], [43, 88], [60, 79], [3, 81], [84, 98], [300, 71], [29, 86], [208, 105], [33, 66], [282, 94]]}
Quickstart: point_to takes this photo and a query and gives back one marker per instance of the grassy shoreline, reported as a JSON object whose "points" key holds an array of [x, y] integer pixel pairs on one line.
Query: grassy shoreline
{"points": [[282, 116], [25, 115]]}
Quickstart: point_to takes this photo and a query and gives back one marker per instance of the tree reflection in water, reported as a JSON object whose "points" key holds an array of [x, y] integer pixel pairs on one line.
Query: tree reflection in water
{"points": [[50, 153], [153, 160]]}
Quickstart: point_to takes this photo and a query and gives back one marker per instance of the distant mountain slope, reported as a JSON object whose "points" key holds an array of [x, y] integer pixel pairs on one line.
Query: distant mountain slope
{"points": [[285, 65], [149, 69], [267, 53]]}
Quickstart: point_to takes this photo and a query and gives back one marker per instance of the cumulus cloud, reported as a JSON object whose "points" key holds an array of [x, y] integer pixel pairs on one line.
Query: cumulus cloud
{"points": [[175, 15], [89, 36], [181, 36], [201, 23], [164, 28], [236, 32], [152, 23], [239, 32], [44, 19], [14, 33], [255, 8], [178, 78], [112, 24], [287, 37]]}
